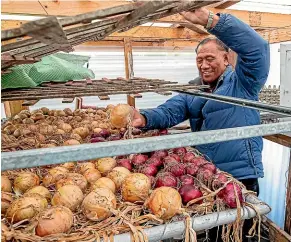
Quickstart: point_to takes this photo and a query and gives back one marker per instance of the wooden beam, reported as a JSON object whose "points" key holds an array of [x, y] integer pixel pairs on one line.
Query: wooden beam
{"points": [[27, 103], [275, 233], [280, 139], [12, 108]]}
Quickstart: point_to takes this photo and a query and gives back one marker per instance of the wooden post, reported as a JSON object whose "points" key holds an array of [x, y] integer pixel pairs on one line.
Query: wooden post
{"points": [[128, 66], [13, 107], [288, 202]]}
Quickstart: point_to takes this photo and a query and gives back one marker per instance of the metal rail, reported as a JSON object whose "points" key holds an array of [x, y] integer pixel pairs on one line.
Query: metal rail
{"points": [[50, 156], [241, 102]]}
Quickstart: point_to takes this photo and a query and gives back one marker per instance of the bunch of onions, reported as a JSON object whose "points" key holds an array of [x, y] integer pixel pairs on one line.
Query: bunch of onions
{"points": [[6, 200], [25, 181], [92, 175], [6, 185], [98, 204], [26, 207], [117, 175], [69, 196], [121, 115], [41, 190], [54, 175], [54, 220], [165, 202], [73, 179], [136, 188], [105, 165], [104, 182]]}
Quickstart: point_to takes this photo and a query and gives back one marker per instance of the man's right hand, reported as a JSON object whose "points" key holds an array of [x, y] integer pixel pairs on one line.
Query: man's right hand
{"points": [[139, 120]]}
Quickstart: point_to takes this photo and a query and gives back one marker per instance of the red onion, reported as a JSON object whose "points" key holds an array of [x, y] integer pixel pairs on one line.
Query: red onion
{"points": [[97, 139], [156, 161], [114, 137], [121, 157], [104, 133], [166, 179], [205, 175], [176, 157], [191, 169], [228, 195], [219, 180], [187, 180], [188, 157], [210, 166], [190, 192], [176, 168], [198, 161], [160, 153], [95, 135], [139, 159], [149, 170], [125, 163], [163, 132], [180, 151]]}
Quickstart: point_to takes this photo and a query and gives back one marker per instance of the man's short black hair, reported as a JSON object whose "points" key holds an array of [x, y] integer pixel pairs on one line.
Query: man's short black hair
{"points": [[219, 43]]}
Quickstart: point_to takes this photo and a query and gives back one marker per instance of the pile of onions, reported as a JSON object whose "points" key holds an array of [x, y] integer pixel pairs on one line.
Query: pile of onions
{"points": [[136, 187], [69, 196], [26, 207], [41, 190], [166, 179], [6, 185], [165, 202], [190, 192], [54, 175], [104, 182], [54, 220], [6, 200], [121, 115], [25, 181], [73, 179], [117, 175], [105, 165], [98, 204]]}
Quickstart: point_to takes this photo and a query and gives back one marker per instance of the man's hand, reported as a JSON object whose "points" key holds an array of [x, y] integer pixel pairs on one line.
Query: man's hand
{"points": [[199, 16], [139, 120]]}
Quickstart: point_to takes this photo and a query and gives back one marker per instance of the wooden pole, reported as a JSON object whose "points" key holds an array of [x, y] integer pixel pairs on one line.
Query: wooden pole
{"points": [[12, 108], [128, 67]]}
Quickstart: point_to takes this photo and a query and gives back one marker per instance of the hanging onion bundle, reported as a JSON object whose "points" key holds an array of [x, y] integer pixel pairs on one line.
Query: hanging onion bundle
{"points": [[104, 182], [41, 190], [121, 115], [117, 175], [25, 181]]}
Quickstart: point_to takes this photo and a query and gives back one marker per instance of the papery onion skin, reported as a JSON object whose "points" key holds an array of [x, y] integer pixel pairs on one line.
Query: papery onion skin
{"points": [[121, 115], [165, 202], [83, 166], [135, 188], [92, 175], [73, 179], [54, 175], [54, 220], [6, 200], [97, 204], [41, 190], [104, 182], [6, 185], [117, 175], [69, 196], [26, 207], [105, 165], [25, 181]]}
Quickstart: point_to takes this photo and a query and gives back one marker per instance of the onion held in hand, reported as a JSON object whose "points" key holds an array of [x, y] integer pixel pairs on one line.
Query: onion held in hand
{"points": [[97, 205], [165, 202], [25, 181], [105, 165], [121, 115], [190, 192], [41, 190], [54, 220], [6, 185], [136, 188], [104, 182], [117, 175], [69, 196]]}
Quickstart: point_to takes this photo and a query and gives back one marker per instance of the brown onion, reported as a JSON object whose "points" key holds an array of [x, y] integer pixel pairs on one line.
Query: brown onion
{"points": [[41, 190], [97, 205], [117, 175], [136, 187], [105, 165], [165, 202], [69, 196], [6, 200], [86, 166], [6, 185], [71, 142], [66, 127], [26, 207], [121, 115], [76, 137], [104, 182], [73, 179], [83, 132], [25, 181], [54, 220], [44, 110], [92, 175], [54, 175], [69, 165]]}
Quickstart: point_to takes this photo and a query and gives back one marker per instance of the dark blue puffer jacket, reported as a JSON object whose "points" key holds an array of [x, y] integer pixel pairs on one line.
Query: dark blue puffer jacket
{"points": [[241, 158]]}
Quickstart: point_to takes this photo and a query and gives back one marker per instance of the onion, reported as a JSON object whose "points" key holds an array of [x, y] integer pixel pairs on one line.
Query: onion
{"points": [[69, 165], [6, 185], [60, 113], [73, 179], [160, 153], [166, 179], [149, 170], [156, 161], [169, 159], [121, 115], [41, 190], [114, 137], [104, 182], [228, 195], [97, 131], [105, 165], [188, 157], [125, 163], [71, 142], [44, 110], [205, 175], [97, 140], [104, 133], [117, 175], [48, 145], [191, 169], [190, 192], [139, 159], [84, 166], [181, 151], [69, 196], [27, 121], [66, 127], [83, 132], [76, 137], [136, 131], [219, 180], [176, 168], [68, 111], [26, 207], [198, 161], [46, 129], [6, 200], [98, 204], [165, 202], [135, 188], [163, 132], [176, 157], [210, 166], [187, 180], [54, 220], [92, 175], [60, 131], [54, 175], [25, 181]]}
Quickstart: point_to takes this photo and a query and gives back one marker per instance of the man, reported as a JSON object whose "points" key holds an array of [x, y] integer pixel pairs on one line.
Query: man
{"points": [[241, 158]]}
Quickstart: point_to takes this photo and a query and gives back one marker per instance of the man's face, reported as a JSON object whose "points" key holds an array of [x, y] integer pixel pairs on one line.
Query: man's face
{"points": [[211, 61]]}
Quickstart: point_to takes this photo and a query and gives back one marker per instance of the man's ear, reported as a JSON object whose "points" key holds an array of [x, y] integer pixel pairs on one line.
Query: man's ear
{"points": [[226, 59]]}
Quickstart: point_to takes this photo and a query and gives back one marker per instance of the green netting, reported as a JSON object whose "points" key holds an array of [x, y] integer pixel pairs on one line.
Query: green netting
{"points": [[59, 67]]}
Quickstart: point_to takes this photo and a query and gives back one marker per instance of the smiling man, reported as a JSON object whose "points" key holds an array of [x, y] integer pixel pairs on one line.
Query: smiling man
{"points": [[241, 158]]}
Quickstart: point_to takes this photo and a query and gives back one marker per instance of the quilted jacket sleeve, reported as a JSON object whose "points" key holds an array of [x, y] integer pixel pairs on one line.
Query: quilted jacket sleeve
{"points": [[253, 62]]}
